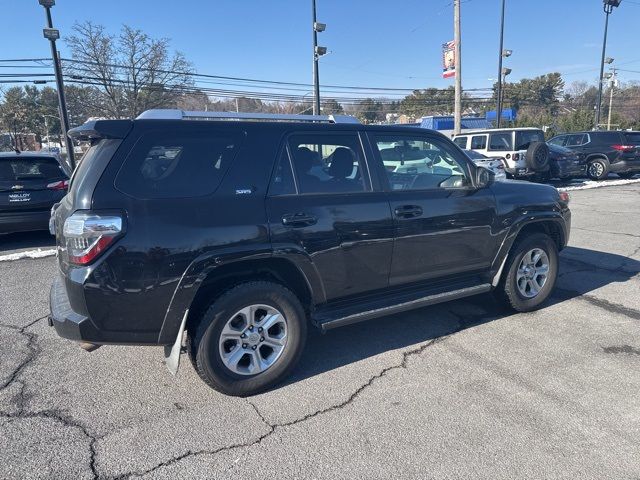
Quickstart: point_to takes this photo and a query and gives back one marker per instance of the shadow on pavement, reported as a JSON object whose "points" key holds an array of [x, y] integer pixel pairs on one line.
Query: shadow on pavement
{"points": [[26, 241], [351, 344]]}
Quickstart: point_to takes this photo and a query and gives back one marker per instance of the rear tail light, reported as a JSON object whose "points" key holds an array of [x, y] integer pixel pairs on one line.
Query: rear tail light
{"points": [[623, 148], [61, 185], [564, 197], [86, 236]]}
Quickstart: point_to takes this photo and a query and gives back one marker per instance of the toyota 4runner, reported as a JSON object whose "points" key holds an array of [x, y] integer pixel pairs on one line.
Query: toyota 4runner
{"points": [[234, 232]]}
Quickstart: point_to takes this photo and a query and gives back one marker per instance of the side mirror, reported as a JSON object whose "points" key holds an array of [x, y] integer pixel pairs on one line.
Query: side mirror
{"points": [[484, 177]]}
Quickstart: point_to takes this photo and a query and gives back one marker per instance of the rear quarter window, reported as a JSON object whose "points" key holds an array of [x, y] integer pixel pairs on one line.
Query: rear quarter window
{"points": [[461, 142], [606, 138], [178, 165]]}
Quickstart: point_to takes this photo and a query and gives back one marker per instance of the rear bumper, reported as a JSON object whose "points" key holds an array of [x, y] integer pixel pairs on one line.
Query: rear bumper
{"points": [[623, 166], [24, 221], [74, 326]]}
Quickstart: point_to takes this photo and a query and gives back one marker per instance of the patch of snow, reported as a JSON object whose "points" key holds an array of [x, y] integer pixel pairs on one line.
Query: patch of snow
{"points": [[39, 253]]}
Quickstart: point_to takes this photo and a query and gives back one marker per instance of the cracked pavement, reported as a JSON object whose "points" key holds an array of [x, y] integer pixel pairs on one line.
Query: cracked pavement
{"points": [[463, 389]]}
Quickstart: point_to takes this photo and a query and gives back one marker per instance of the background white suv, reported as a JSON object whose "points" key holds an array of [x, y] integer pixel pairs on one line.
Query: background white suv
{"points": [[523, 150]]}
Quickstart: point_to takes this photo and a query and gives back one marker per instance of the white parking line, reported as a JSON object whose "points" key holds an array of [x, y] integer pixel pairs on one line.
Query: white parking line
{"points": [[39, 253]]}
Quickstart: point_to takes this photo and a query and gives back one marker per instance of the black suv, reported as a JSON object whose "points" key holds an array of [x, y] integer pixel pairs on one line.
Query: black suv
{"points": [[241, 232], [617, 152], [30, 184]]}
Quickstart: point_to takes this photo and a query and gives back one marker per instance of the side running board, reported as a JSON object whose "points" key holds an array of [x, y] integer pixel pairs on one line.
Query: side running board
{"points": [[410, 305]]}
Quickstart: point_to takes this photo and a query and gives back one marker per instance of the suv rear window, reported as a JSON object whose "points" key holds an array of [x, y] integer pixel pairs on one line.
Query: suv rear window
{"points": [[17, 169], [166, 165]]}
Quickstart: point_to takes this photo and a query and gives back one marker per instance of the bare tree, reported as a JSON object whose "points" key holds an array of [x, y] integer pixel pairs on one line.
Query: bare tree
{"points": [[131, 72]]}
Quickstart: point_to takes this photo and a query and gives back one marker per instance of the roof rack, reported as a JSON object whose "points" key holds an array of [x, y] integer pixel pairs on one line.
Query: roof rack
{"points": [[171, 114]]}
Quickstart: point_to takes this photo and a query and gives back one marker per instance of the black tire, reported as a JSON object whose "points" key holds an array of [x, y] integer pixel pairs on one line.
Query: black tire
{"points": [[537, 156], [203, 346], [598, 169], [507, 290], [627, 175]]}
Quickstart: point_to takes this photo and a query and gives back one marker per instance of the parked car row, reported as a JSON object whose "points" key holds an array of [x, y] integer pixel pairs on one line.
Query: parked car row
{"points": [[525, 155]]}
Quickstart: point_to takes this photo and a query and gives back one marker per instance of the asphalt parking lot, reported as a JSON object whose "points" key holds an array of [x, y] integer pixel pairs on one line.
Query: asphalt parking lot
{"points": [[460, 390]]}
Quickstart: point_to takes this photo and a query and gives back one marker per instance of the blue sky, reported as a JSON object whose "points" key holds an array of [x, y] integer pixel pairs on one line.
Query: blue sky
{"points": [[371, 42]]}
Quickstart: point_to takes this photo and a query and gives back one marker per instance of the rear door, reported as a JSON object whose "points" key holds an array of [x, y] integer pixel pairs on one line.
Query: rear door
{"points": [[30, 183], [442, 222], [328, 215]]}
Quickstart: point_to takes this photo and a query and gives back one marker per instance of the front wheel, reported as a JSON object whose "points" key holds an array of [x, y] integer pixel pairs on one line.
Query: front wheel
{"points": [[598, 169], [531, 273], [249, 339]]}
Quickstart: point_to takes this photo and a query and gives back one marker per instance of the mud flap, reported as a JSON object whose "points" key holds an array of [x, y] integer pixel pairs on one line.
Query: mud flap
{"points": [[172, 352]]}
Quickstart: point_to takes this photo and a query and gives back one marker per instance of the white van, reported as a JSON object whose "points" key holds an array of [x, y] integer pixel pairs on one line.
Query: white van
{"points": [[523, 150]]}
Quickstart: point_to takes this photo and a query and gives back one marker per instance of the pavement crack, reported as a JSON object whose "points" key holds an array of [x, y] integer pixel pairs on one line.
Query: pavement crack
{"points": [[607, 232], [274, 427], [33, 348], [66, 421], [601, 303]]}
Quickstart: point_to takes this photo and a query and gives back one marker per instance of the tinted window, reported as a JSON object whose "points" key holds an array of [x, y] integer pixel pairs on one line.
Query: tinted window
{"points": [[479, 142], [558, 141], [524, 138], [461, 142], [16, 169], [632, 138], [282, 180], [417, 163], [606, 138], [500, 141], [576, 140], [328, 163], [165, 165]]}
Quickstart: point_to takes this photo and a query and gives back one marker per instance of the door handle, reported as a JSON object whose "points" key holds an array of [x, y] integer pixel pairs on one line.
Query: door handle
{"points": [[298, 220], [408, 211]]}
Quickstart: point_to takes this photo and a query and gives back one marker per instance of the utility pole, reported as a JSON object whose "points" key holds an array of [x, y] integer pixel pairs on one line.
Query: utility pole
{"points": [[500, 56], [613, 80], [457, 113], [52, 35]]}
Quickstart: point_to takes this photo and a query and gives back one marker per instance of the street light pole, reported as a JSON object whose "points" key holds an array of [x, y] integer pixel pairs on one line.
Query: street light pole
{"points": [[316, 74], [52, 35], [612, 85], [500, 56], [609, 5]]}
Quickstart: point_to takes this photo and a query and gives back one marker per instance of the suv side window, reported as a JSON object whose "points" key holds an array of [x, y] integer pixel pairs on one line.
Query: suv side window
{"points": [[606, 138], [500, 142], [328, 163], [559, 140], [576, 140], [282, 180], [478, 142], [461, 142], [420, 163], [177, 165]]}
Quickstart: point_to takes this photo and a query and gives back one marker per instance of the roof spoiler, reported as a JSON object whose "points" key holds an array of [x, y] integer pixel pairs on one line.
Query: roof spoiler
{"points": [[95, 129]]}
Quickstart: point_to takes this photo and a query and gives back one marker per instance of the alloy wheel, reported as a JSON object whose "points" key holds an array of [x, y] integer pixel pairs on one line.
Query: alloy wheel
{"points": [[533, 273], [253, 339]]}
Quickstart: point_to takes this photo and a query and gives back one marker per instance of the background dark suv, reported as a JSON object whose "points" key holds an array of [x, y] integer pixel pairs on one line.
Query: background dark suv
{"points": [[617, 152], [241, 232]]}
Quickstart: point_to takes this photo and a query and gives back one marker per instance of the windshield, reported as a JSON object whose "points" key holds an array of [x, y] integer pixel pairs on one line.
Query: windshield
{"points": [[524, 138]]}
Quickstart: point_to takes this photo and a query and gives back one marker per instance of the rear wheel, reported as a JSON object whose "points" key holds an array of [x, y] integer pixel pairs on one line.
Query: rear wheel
{"points": [[598, 169], [531, 273], [249, 339], [627, 174]]}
